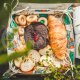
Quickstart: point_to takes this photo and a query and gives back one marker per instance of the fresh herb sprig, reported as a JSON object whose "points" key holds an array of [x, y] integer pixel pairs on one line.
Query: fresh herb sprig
{"points": [[57, 75], [6, 58]]}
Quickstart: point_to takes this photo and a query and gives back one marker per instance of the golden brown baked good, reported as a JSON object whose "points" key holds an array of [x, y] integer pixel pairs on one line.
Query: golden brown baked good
{"points": [[16, 19], [22, 20], [32, 18], [21, 31], [57, 35]]}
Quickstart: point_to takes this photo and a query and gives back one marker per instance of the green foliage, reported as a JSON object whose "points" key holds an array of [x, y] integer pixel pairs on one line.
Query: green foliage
{"points": [[79, 49], [55, 75], [73, 74], [6, 58]]}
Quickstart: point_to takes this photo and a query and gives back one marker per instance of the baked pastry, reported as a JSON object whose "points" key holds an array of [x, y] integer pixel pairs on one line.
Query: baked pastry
{"points": [[57, 35], [46, 51], [37, 33], [27, 65], [43, 20], [32, 18], [34, 55], [21, 31], [18, 61], [22, 20], [46, 60], [16, 19]]}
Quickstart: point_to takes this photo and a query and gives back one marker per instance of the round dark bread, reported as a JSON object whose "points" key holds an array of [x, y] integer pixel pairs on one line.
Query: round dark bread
{"points": [[39, 29]]}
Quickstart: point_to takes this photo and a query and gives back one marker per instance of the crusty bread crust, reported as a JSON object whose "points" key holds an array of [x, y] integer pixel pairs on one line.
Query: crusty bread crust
{"points": [[58, 37]]}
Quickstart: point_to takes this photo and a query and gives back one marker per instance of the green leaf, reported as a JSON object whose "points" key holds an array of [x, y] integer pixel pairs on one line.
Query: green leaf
{"points": [[78, 66], [79, 49], [47, 78], [78, 77], [6, 58], [29, 44], [10, 45]]}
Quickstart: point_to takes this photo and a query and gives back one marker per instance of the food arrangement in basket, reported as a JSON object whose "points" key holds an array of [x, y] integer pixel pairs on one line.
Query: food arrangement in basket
{"points": [[52, 42]]}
